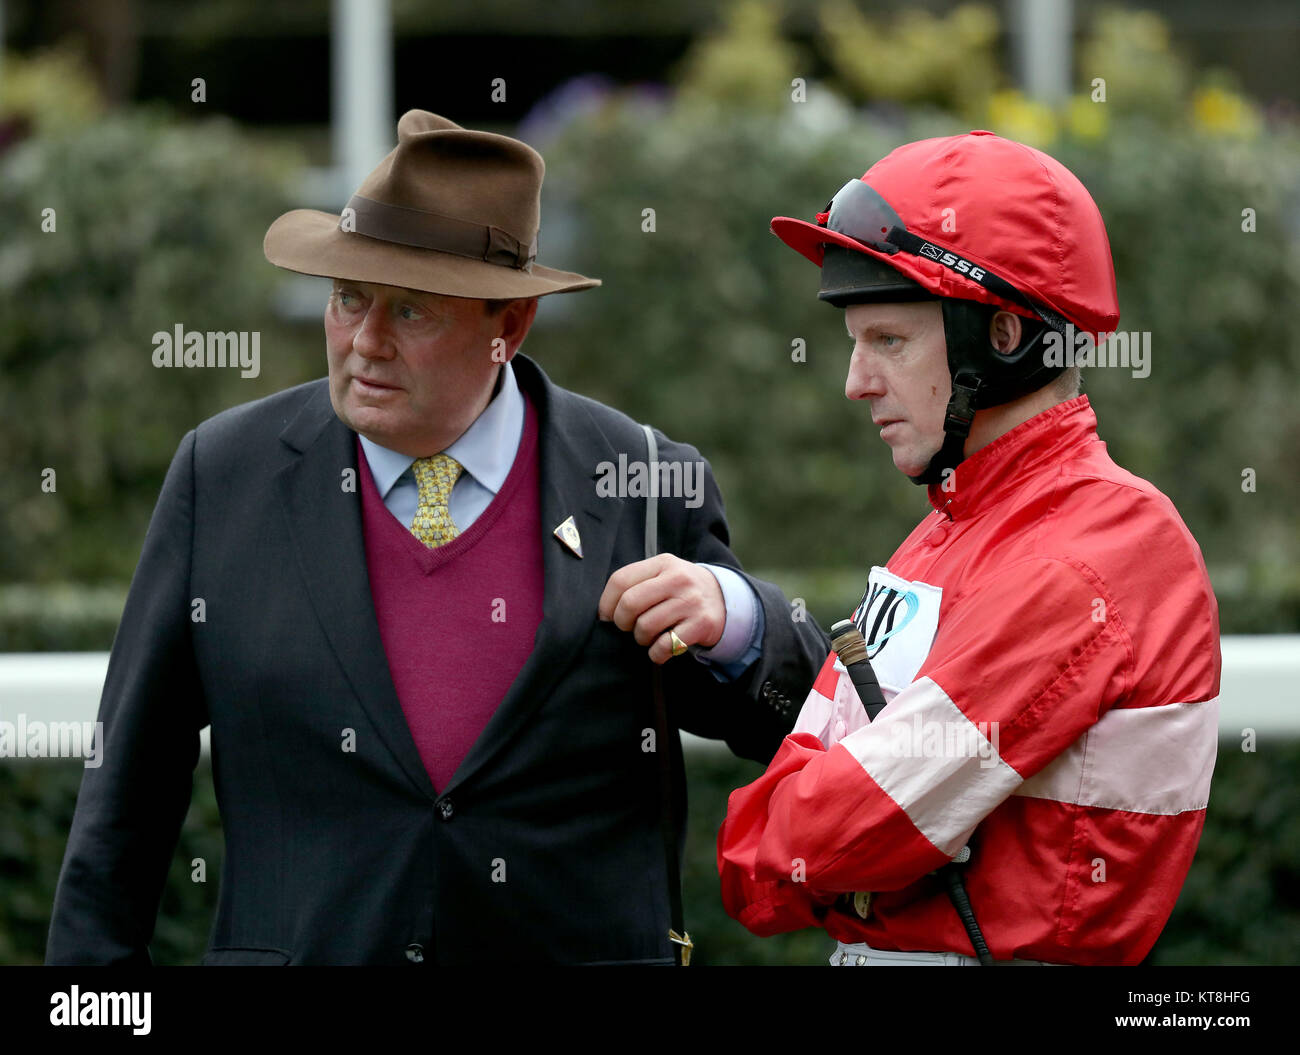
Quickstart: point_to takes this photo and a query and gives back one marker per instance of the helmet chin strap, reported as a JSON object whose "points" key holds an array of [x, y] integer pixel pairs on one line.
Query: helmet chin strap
{"points": [[982, 376], [956, 427]]}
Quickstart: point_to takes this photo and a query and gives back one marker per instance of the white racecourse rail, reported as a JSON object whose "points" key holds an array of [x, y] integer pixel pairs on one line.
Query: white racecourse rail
{"points": [[1260, 689]]}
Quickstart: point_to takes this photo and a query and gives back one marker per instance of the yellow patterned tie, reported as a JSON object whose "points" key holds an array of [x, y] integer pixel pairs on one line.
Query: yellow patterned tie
{"points": [[435, 478]]}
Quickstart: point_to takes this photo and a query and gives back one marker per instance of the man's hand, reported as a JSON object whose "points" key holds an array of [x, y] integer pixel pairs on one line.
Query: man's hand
{"points": [[665, 593]]}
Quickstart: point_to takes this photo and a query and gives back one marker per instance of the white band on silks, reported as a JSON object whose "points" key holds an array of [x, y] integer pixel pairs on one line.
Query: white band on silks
{"points": [[863, 955]]}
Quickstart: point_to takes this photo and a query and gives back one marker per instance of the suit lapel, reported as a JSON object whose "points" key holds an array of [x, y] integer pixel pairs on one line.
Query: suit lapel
{"points": [[326, 527], [570, 446], [325, 524]]}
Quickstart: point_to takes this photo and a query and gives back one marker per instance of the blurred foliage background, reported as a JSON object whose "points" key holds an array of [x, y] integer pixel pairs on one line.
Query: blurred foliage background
{"points": [[159, 217]]}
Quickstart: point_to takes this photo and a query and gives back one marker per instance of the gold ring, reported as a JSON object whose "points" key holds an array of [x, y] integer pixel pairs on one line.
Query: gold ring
{"points": [[679, 646]]}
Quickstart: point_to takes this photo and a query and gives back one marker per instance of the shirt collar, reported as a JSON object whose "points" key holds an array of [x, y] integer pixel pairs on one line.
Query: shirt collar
{"points": [[997, 470], [486, 449]]}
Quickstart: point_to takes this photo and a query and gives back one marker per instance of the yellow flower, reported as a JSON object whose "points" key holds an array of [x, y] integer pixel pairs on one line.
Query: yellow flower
{"points": [[1221, 112], [1086, 119], [1012, 115]]}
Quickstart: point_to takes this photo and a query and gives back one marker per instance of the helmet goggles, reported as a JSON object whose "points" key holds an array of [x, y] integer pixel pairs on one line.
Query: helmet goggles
{"points": [[858, 211]]}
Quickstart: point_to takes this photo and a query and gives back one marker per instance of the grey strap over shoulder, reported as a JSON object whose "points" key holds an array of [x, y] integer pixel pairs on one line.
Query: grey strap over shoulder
{"points": [[652, 500]]}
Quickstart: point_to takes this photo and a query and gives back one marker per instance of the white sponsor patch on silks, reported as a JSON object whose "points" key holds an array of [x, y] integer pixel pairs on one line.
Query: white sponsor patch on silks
{"points": [[945, 791], [1154, 760], [898, 619]]}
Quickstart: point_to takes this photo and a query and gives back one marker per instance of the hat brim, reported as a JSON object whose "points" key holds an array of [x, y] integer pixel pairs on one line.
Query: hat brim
{"points": [[309, 241], [808, 238]]}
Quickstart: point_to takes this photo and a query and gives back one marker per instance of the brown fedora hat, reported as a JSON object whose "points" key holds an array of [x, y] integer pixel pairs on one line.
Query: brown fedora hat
{"points": [[449, 210]]}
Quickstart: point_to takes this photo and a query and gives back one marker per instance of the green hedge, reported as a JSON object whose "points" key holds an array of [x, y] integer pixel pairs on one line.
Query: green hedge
{"points": [[152, 224], [60, 617]]}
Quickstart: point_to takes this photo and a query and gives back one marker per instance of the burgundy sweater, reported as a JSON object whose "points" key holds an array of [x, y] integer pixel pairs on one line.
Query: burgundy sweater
{"points": [[458, 621]]}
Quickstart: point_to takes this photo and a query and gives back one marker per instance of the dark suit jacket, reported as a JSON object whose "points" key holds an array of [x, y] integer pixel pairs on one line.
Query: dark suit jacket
{"points": [[351, 857]]}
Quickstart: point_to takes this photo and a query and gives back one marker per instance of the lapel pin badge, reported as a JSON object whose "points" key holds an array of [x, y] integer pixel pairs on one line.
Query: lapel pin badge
{"points": [[568, 534]]}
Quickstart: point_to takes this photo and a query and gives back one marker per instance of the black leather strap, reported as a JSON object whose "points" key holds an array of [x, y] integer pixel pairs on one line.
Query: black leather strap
{"points": [[677, 934]]}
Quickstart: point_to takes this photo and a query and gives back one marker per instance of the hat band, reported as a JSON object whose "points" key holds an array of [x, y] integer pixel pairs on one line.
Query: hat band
{"points": [[431, 230]]}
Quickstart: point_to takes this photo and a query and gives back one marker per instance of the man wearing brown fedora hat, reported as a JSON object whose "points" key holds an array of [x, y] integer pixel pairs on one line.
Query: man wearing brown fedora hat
{"points": [[428, 631]]}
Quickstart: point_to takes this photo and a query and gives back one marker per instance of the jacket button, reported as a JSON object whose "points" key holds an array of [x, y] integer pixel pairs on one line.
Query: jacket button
{"points": [[446, 810], [415, 952]]}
